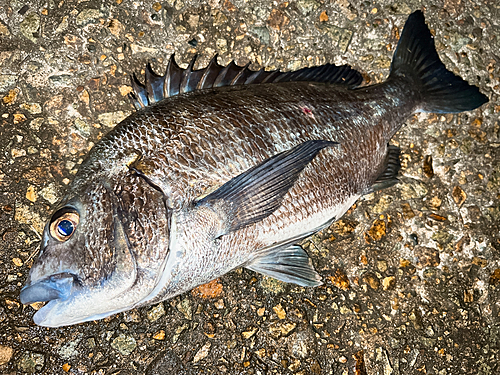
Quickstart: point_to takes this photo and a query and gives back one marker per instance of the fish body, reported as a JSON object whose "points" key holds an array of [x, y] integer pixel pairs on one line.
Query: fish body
{"points": [[197, 183]]}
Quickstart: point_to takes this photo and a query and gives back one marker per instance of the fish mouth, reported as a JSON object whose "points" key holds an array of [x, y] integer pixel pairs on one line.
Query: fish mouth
{"points": [[55, 287]]}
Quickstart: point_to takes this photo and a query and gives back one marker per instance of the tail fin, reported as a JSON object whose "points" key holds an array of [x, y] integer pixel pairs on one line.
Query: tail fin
{"points": [[416, 58]]}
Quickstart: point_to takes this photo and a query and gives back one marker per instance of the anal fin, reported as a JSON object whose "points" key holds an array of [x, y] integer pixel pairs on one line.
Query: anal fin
{"points": [[389, 175], [288, 263]]}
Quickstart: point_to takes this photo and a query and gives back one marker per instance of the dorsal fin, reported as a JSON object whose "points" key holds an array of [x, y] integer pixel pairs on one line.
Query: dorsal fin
{"points": [[139, 96], [177, 80], [154, 85]]}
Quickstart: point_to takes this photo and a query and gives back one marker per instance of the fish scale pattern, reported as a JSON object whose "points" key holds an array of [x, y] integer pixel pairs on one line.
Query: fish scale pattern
{"points": [[238, 127], [191, 145]]}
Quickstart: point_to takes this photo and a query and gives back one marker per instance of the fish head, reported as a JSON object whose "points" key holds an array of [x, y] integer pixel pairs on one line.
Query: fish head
{"points": [[94, 259]]}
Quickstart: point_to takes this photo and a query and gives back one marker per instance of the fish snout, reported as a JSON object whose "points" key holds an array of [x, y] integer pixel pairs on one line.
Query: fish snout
{"points": [[57, 286]]}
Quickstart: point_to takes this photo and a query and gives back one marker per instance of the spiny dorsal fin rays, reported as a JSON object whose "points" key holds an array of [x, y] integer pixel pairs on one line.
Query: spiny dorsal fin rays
{"points": [[260, 76], [154, 85], [139, 96], [227, 74], [177, 80], [240, 77], [210, 73], [190, 78], [172, 76]]}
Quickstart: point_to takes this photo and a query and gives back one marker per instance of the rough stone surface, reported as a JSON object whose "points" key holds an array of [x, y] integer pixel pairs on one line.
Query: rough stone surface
{"points": [[31, 362], [124, 344], [156, 312], [5, 354], [411, 274]]}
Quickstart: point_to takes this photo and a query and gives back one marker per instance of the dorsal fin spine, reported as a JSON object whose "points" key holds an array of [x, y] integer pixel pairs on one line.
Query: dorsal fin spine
{"points": [[207, 70], [140, 94], [178, 81], [222, 74], [154, 85], [186, 75], [242, 70]]}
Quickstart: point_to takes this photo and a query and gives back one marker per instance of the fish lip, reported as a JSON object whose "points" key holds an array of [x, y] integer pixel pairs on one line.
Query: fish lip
{"points": [[54, 287], [41, 315]]}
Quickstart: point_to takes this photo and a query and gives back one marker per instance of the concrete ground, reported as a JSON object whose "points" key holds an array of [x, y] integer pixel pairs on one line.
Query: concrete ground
{"points": [[411, 274]]}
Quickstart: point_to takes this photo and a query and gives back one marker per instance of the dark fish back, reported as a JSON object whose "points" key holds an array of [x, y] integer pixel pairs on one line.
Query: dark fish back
{"points": [[203, 138]]}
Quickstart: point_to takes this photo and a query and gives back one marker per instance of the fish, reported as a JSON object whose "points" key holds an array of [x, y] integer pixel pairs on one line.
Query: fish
{"points": [[226, 167]]}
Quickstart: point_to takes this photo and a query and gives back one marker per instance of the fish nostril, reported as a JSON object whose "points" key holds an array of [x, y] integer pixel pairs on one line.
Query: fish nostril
{"points": [[54, 287]]}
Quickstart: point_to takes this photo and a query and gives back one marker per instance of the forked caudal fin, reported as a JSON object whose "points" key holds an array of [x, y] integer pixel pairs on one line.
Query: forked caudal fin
{"points": [[417, 60]]}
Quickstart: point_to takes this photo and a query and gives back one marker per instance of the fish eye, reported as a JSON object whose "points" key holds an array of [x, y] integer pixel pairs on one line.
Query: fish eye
{"points": [[64, 224]]}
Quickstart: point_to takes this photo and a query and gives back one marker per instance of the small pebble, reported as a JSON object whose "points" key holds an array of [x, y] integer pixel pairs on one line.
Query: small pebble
{"points": [[160, 335], [249, 333], [5, 354], [278, 309], [185, 308], [31, 362], [203, 352], [157, 7], [340, 279], [18, 262], [156, 312], [388, 282], [124, 344], [219, 304]]}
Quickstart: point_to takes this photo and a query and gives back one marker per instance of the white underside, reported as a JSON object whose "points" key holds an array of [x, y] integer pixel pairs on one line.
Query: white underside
{"points": [[293, 233], [310, 225]]}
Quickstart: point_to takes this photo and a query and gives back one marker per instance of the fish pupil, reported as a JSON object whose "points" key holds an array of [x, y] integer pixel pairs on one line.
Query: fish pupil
{"points": [[65, 228]]}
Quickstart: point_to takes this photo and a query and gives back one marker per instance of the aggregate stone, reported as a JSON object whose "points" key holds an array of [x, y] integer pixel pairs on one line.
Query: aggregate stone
{"points": [[31, 362], [50, 193], [4, 30], [185, 308], [156, 312], [88, 16], [30, 25], [7, 81], [69, 350], [271, 285], [203, 352], [11, 97], [110, 119], [307, 6], [5, 354], [124, 344], [413, 189]]}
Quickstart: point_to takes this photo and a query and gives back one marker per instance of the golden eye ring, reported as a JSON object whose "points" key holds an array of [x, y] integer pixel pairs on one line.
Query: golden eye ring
{"points": [[64, 226]]}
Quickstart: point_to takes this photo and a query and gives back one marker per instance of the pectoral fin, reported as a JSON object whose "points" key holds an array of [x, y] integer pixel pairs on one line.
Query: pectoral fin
{"points": [[258, 192], [290, 264]]}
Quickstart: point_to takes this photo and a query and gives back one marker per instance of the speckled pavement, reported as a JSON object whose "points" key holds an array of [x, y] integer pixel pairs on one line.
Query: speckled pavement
{"points": [[411, 274]]}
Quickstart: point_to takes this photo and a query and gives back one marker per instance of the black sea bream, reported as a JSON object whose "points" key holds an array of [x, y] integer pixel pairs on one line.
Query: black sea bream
{"points": [[225, 167]]}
